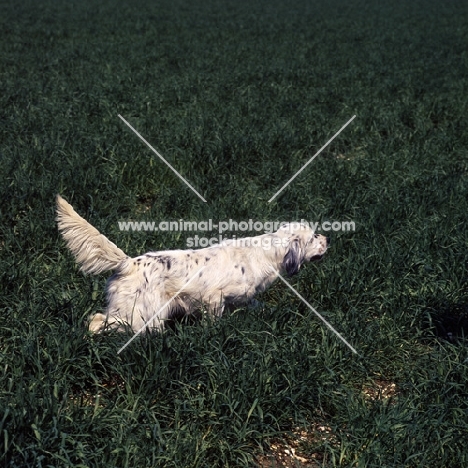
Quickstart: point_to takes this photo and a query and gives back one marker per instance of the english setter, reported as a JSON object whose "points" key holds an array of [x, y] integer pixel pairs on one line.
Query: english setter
{"points": [[157, 286]]}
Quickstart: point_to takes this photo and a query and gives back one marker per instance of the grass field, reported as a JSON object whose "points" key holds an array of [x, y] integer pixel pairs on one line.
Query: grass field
{"points": [[238, 96]]}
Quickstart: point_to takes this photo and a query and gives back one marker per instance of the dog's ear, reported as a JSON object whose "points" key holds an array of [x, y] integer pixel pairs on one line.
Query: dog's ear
{"points": [[293, 257]]}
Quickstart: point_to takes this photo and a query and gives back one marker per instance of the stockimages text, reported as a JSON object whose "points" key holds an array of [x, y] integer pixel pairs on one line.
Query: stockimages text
{"points": [[265, 227]]}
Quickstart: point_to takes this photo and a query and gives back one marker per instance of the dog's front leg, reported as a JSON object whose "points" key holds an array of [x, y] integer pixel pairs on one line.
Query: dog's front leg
{"points": [[215, 309]]}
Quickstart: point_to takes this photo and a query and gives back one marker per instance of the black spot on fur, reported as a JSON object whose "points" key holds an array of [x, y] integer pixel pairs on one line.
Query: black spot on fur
{"points": [[207, 259], [196, 261], [243, 270], [236, 266], [164, 260]]}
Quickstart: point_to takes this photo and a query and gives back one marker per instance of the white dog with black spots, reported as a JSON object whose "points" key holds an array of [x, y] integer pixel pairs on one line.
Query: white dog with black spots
{"points": [[148, 290]]}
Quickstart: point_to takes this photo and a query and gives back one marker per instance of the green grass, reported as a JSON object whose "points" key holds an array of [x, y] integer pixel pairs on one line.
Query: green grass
{"points": [[238, 96]]}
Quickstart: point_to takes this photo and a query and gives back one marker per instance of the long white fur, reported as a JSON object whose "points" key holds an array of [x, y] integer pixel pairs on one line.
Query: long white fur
{"points": [[228, 273], [91, 249]]}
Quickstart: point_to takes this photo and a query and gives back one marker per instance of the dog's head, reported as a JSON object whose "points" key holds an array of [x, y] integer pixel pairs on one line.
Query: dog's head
{"points": [[302, 245]]}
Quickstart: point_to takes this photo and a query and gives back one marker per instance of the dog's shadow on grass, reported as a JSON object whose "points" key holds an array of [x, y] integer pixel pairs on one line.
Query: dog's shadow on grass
{"points": [[448, 320]]}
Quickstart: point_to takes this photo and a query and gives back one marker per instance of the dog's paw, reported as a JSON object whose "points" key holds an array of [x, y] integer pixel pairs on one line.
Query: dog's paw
{"points": [[97, 323]]}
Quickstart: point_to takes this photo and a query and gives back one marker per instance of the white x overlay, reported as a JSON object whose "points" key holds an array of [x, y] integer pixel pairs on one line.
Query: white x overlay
{"points": [[316, 313], [311, 159], [269, 201], [160, 157]]}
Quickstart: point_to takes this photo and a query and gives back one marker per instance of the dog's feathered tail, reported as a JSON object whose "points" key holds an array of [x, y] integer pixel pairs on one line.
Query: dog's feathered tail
{"points": [[92, 250]]}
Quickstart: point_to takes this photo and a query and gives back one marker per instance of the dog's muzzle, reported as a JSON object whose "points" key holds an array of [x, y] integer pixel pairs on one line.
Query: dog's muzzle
{"points": [[315, 258]]}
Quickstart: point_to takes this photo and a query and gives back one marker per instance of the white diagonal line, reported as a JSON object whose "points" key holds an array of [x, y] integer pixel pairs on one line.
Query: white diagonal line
{"points": [[316, 313], [311, 159], [157, 313], [160, 157]]}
